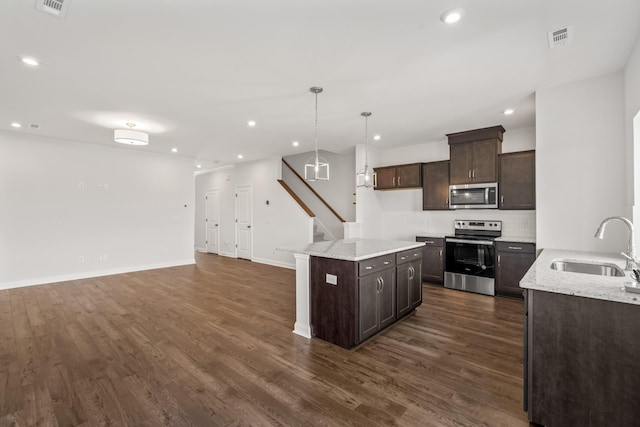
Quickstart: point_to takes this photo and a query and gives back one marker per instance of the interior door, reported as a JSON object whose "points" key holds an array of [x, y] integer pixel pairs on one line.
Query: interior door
{"points": [[243, 222], [212, 220]]}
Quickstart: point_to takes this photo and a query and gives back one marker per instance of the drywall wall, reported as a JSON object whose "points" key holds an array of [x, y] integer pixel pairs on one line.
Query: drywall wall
{"points": [[338, 190], [580, 164], [73, 210], [632, 129], [281, 223], [398, 214]]}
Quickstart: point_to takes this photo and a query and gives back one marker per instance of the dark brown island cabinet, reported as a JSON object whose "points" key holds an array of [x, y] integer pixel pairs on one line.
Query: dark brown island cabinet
{"points": [[435, 186], [517, 180], [473, 155], [432, 259], [581, 361], [398, 177], [513, 259], [353, 300]]}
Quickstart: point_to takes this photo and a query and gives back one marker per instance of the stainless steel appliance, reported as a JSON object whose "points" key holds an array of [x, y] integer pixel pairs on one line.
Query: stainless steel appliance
{"points": [[474, 196], [470, 256]]}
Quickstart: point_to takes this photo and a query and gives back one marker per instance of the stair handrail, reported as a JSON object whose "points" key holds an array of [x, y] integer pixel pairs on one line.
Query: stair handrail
{"points": [[313, 191], [296, 198]]}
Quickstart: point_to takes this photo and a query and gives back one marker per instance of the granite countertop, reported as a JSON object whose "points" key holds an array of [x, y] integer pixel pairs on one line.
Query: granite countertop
{"points": [[353, 249], [519, 239], [542, 278]]}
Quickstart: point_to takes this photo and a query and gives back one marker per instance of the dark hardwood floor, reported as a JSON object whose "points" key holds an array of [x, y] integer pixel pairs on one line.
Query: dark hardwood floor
{"points": [[211, 345]]}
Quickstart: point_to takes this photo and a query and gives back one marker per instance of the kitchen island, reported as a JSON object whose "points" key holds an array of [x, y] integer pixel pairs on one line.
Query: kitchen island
{"points": [[582, 345], [348, 290]]}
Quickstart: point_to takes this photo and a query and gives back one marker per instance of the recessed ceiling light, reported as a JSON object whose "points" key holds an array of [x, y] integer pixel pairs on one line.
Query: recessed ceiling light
{"points": [[452, 16], [199, 166], [295, 143], [377, 137], [29, 61], [16, 125], [508, 111], [251, 123], [174, 150], [240, 156]]}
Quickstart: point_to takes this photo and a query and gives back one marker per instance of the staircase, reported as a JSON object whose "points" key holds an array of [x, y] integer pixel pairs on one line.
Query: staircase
{"points": [[318, 236]]}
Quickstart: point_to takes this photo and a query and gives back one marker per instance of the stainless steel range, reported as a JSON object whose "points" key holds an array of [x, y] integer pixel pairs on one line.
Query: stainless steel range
{"points": [[470, 256]]}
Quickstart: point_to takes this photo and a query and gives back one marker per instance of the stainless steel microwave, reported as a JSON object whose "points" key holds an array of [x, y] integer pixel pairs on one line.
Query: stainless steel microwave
{"points": [[474, 196]]}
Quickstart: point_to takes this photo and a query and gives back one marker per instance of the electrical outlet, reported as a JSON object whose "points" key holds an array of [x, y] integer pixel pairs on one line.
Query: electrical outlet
{"points": [[81, 260], [80, 185]]}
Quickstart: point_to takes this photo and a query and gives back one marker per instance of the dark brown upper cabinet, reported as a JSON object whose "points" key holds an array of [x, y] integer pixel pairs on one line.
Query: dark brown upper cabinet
{"points": [[517, 188], [474, 155], [396, 177], [435, 186]]}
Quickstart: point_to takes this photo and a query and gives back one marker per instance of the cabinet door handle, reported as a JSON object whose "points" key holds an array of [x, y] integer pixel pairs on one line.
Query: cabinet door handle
{"points": [[473, 174], [429, 242], [370, 267], [469, 173], [515, 248], [398, 180], [501, 200], [378, 287], [381, 284], [394, 181], [440, 254], [416, 254], [387, 262], [403, 257], [446, 201], [375, 179], [411, 273], [498, 260]]}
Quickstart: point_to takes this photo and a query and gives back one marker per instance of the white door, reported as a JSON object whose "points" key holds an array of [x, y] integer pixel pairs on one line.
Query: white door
{"points": [[212, 220], [243, 222]]}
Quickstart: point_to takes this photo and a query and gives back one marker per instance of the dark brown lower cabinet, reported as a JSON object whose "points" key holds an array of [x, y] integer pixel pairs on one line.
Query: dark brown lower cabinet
{"points": [[409, 281], [581, 361], [513, 259], [352, 301], [432, 259]]}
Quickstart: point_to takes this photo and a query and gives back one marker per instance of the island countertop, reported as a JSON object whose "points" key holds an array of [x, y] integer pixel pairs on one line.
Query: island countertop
{"points": [[542, 277], [353, 249]]}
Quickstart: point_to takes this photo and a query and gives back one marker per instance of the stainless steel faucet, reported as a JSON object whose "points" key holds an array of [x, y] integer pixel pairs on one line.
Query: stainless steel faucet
{"points": [[632, 262]]}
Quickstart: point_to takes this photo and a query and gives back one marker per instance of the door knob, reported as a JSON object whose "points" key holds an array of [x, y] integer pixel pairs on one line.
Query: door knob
{"points": [[248, 226]]}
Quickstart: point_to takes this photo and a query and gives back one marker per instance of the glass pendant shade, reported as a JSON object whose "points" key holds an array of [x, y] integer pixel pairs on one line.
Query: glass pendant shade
{"points": [[365, 177], [316, 168]]}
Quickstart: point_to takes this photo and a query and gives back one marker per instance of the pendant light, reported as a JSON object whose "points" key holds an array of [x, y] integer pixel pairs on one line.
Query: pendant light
{"points": [[316, 168], [365, 177], [130, 136]]}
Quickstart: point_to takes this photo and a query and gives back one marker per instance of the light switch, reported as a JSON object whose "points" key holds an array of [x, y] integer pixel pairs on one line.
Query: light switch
{"points": [[332, 279]]}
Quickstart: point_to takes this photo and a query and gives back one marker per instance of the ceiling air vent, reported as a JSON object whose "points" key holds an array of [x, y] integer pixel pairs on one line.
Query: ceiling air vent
{"points": [[560, 37], [57, 8]]}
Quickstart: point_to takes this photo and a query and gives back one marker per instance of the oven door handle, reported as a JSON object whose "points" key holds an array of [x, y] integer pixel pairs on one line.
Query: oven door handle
{"points": [[472, 242]]}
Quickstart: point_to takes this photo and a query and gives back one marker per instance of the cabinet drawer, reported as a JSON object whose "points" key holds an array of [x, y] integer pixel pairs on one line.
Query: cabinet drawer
{"points": [[373, 265], [409, 255], [527, 248], [430, 241]]}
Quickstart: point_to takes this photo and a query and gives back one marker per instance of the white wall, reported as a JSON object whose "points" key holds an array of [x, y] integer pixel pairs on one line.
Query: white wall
{"points": [[580, 164], [632, 129], [338, 190], [398, 214], [47, 223], [281, 223]]}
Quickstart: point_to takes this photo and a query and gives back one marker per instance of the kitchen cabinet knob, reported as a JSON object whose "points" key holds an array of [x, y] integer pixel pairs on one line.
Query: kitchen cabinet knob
{"points": [[387, 262]]}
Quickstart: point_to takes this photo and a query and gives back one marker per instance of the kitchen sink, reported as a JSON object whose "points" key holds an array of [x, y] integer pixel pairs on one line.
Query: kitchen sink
{"points": [[600, 269]]}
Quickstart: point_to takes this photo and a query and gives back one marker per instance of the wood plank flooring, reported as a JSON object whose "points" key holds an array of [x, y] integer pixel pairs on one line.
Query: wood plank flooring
{"points": [[211, 345]]}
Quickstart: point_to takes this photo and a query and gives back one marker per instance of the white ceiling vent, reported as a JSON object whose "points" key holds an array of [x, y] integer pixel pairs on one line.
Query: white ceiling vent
{"points": [[57, 8], [561, 36]]}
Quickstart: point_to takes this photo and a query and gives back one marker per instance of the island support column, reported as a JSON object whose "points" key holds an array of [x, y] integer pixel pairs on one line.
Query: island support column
{"points": [[302, 326]]}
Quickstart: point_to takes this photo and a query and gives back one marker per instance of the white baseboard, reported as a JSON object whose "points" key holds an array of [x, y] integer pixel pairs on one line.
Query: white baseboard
{"points": [[204, 250], [90, 274], [227, 254], [291, 266]]}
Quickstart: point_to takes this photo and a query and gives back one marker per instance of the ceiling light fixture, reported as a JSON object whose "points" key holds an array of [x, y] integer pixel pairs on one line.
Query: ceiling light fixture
{"points": [[377, 137], [251, 123], [508, 111], [16, 125], [295, 143], [174, 150], [316, 168], [240, 156], [199, 166], [27, 60], [452, 16], [365, 178], [130, 136]]}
